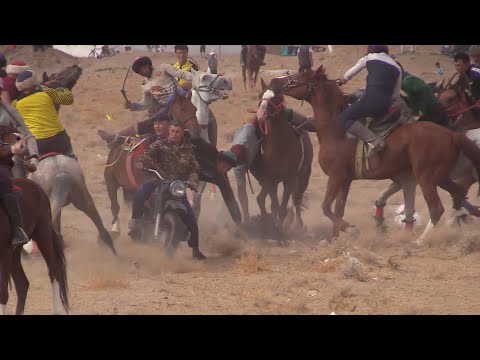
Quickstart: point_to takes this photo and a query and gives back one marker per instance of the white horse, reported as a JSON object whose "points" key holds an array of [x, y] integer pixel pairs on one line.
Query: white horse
{"points": [[63, 180], [207, 88]]}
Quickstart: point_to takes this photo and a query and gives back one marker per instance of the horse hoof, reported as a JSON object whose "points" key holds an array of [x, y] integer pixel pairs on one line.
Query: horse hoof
{"points": [[352, 230], [116, 227]]}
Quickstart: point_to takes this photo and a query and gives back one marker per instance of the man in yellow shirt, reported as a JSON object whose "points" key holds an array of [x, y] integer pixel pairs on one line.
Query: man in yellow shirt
{"points": [[38, 106], [183, 63]]}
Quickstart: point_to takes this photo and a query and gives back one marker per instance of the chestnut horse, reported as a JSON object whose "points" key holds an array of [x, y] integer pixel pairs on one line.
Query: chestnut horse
{"points": [[462, 118], [426, 149], [287, 157], [37, 218], [251, 68]]}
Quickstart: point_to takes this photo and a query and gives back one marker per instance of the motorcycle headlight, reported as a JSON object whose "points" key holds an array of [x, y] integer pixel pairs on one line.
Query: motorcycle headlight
{"points": [[178, 188]]}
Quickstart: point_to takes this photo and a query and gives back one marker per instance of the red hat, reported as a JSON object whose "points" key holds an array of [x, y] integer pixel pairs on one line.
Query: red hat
{"points": [[17, 67], [241, 152]]}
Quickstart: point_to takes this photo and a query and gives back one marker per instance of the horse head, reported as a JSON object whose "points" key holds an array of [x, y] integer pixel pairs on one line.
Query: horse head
{"points": [[300, 85], [455, 100], [66, 78], [211, 87], [271, 104], [11, 142]]}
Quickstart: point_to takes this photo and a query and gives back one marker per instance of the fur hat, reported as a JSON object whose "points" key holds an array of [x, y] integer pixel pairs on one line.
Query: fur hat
{"points": [[241, 152], [25, 80], [141, 61], [17, 67]]}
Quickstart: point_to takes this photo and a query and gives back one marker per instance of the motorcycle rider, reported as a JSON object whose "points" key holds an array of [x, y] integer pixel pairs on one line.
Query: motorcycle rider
{"points": [[173, 158]]}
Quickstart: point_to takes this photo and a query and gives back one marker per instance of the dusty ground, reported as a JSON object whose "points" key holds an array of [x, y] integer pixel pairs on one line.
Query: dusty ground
{"points": [[246, 276]]}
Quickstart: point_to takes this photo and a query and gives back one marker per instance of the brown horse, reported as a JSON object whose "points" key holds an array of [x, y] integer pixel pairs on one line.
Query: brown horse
{"points": [[37, 218], [287, 156], [427, 149], [251, 68]]}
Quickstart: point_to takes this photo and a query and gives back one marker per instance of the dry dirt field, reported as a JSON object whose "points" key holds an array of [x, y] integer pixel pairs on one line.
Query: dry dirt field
{"points": [[246, 276]]}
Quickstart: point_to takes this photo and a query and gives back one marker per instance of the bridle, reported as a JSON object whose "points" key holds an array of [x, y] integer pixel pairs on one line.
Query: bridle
{"points": [[291, 84], [209, 89]]}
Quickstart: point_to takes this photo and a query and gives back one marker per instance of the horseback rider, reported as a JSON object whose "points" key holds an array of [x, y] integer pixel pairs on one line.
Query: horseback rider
{"points": [[472, 73], [173, 158], [159, 91], [8, 198], [261, 49], [420, 98], [383, 87], [37, 105], [183, 63], [10, 117]]}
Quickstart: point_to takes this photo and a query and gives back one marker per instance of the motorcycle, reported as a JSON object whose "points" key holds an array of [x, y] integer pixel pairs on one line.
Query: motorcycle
{"points": [[162, 217]]}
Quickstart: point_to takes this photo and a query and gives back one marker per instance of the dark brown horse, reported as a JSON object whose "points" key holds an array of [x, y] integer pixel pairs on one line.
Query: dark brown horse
{"points": [[287, 156], [37, 218], [251, 68], [427, 149], [66, 78]]}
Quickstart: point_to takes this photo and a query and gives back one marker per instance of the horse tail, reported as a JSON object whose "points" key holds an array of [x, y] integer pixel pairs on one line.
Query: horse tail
{"points": [[61, 274], [471, 151]]}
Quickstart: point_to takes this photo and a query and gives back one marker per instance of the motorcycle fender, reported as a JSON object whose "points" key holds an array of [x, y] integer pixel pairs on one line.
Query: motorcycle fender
{"points": [[174, 205]]}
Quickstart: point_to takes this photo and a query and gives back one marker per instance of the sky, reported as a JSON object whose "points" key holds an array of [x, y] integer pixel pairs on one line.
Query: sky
{"points": [[84, 50]]}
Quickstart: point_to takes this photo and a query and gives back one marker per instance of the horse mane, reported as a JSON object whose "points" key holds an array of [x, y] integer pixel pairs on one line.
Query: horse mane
{"points": [[331, 91], [65, 78]]}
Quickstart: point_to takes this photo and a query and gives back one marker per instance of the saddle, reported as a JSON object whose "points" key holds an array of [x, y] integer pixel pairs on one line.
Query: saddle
{"points": [[135, 147], [383, 127]]}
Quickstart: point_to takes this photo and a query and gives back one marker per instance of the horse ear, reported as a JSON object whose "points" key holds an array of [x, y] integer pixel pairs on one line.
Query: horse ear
{"points": [[320, 71], [264, 85], [45, 76], [194, 72]]}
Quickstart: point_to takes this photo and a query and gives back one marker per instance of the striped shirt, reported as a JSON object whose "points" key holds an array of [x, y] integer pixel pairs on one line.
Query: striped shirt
{"points": [[39, 111]]}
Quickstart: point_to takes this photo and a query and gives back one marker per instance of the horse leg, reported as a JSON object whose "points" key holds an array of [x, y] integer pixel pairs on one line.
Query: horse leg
{"points": [[5, 268], [458, 194], [334, 185], [21, 282], [381, 201], [288, 187], [244, 77], [409, 186], [340, 202], [112, 189], [83, 201], [52, 249], [275, 204], [435, 207], [261, 197]]}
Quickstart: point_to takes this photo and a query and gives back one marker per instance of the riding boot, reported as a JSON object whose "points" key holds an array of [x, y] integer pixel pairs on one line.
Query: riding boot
{"points": [[365, 134], [10, 202], [108, 137]]}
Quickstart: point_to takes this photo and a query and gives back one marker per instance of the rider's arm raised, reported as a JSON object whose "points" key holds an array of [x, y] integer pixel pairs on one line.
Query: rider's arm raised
{"points": [[182, 74]]}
